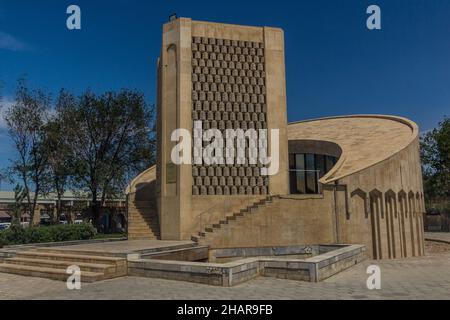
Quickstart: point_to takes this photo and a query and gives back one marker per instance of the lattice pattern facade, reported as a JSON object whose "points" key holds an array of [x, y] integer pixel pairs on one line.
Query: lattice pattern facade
{"points": [[228, 92]]}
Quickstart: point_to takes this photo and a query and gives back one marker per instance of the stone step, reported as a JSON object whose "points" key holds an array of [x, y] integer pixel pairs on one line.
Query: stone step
{"points": [[142, 237], [138, 217], [143, 223], [142, 233], [147, 221], [142, 218], [67, 256], [67, 250], [49, 273], [142, 215], [146, 232], [61, 264], [147, 229]]}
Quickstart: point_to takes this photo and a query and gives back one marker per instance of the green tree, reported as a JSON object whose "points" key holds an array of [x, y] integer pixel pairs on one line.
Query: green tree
{"points": [[110, 140], [25, 121], [435, 154], [58, 150]]}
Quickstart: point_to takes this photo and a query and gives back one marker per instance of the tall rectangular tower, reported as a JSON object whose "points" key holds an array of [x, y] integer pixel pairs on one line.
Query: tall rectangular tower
{"points": [[224, 77]]}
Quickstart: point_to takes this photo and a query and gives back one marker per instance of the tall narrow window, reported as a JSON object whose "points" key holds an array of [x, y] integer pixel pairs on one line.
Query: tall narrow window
{"points": [[320, 165], [300, 172], [311, 175]]}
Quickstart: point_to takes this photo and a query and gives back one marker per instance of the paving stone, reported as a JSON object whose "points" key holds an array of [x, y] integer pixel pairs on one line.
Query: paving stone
{"points": [[425, 277]]}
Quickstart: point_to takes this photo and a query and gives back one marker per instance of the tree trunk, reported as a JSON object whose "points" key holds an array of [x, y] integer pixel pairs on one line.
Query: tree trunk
{"points": [[29, 204], [58, 207], [96, 211], [34, 204]]}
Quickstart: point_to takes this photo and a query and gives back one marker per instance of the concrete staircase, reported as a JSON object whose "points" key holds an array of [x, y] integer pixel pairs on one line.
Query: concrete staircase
{"points": [[228, 221], [143, 221], [53, 263]]}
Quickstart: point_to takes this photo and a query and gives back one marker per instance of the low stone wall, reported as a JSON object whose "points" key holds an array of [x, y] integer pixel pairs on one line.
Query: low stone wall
{"points": [[207, 273], [197, 253], [231, 254], [229, 274]]}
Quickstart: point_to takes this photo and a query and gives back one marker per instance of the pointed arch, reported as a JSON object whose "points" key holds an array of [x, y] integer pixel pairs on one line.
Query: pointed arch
{"points": [[403, 214], [412, 222], [376, 213], [391, 222], [377, 195], [363, 195]]}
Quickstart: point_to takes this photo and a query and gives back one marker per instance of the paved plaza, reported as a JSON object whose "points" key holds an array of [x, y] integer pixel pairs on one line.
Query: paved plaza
{"points": [[425, 277]]}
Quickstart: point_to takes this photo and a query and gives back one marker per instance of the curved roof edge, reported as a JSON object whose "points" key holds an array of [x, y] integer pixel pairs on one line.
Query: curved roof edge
{"points": [[132, 184], [331, 175]]}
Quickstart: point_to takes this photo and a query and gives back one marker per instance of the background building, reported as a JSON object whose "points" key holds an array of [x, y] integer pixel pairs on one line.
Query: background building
{"points": [[74, 207]]}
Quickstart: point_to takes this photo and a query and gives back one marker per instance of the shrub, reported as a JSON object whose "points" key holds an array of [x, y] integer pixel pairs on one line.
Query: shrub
{"points": [[56, 233]]}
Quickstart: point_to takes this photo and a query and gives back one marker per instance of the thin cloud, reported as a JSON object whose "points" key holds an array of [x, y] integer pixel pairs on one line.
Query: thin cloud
{"points": [[9, 42]]}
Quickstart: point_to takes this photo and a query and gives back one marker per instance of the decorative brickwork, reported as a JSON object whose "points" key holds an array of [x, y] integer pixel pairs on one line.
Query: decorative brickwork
{"points": [[228, 92]]}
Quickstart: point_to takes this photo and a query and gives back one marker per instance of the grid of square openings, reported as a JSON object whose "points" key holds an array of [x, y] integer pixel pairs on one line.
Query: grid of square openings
{"points": [[228, 92]]}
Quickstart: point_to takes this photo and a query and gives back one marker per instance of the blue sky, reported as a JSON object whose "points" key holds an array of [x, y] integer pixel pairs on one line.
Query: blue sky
{"points": [[334, 64]]}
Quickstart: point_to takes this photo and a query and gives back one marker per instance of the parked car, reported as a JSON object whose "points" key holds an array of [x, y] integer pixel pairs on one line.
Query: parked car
{"points": [[4, 225]]}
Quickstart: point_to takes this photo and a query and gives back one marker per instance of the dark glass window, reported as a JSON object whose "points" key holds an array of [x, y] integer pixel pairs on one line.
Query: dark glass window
{"points": [[305, 170], [320, 165], [330, 162], [311, 175], [300, 161], [300, 173], [291, 161], [310, 162]]}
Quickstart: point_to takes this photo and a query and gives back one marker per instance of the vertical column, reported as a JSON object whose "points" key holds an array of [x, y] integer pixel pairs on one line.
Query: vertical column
{"points": [[276, 104], [185, 122], [175, 113]]}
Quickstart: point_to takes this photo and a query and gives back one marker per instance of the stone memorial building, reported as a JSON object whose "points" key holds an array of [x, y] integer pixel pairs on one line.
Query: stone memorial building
{"points": [[347, 179]]}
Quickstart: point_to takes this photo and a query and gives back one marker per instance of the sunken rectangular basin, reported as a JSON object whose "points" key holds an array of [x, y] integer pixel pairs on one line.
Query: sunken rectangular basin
{"points": [[232, 266]]}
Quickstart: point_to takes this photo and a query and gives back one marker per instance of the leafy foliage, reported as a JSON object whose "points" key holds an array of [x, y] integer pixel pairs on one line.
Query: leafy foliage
{"points": [[109, 140], [56, 233], [26, 121], [93, 143], [435, 154]]}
